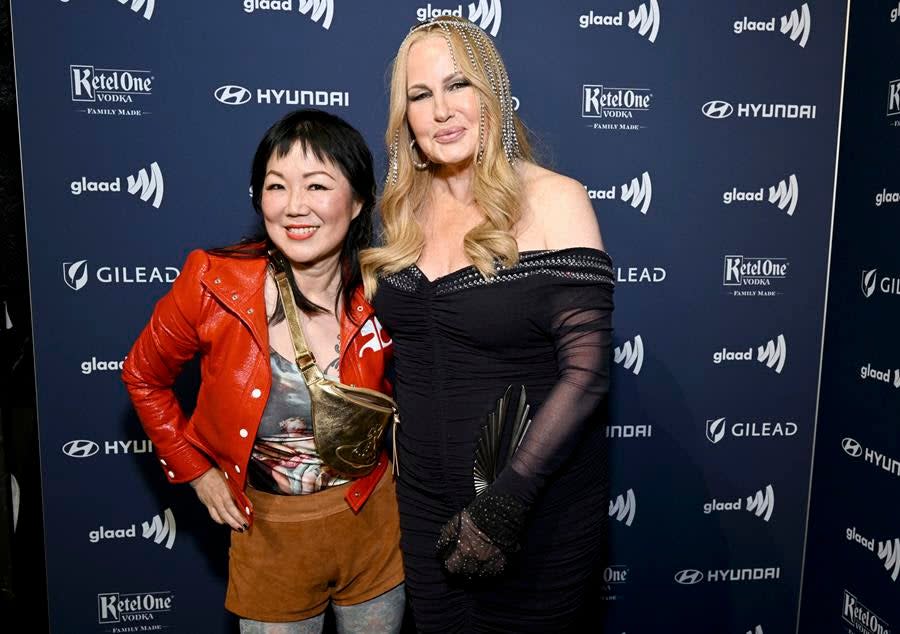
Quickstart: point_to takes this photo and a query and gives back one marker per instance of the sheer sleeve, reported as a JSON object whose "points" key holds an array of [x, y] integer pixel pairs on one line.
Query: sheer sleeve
{"points": [[476, 542], [580, 324]]}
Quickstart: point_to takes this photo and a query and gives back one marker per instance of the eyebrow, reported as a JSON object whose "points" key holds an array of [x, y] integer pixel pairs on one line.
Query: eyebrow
{"points": [[305, 174], [448, 78]]}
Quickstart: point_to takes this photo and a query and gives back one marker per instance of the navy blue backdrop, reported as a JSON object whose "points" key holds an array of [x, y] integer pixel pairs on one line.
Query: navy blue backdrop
{"points": [[705, 133], [852, 572]]}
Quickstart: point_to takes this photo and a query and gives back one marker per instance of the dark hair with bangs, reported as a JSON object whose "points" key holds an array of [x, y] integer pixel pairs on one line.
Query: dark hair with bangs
{"points": [[330, 139]]}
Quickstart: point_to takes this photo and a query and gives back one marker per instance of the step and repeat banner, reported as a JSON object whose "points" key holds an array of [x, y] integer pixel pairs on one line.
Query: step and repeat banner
{"points": [[705, 133], [852, 567]]}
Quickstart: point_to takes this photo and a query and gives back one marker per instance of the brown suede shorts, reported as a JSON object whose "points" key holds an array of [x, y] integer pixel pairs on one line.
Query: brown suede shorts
{"points": [[306, 550]]}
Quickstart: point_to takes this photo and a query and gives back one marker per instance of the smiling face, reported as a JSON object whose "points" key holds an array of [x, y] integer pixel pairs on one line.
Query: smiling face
{"points": [[307, 206], [442, 105]]}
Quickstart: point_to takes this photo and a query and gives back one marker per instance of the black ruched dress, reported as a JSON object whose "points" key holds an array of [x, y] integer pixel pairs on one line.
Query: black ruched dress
{"points": [[545, 323]]}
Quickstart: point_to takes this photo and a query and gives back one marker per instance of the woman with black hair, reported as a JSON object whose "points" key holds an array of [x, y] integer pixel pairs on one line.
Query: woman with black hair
{"points": [[307, 530]]}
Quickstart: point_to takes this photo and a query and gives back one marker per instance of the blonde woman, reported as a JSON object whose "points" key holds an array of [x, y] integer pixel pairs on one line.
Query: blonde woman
{"points": [[492, 274]]}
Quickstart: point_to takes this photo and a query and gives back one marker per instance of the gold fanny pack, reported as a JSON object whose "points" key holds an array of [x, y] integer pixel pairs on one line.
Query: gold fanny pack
{"points": [[348, 422]]}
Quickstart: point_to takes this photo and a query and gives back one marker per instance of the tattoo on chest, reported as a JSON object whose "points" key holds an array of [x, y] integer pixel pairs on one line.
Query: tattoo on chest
{"points": [[334, 362]]}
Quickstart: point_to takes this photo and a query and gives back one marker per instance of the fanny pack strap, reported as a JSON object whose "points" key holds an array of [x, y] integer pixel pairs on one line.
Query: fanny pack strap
{"points": [[306, 362]]}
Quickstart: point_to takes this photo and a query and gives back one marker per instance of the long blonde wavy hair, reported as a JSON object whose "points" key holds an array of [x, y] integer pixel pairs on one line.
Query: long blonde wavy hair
{"points": [[497, 185]]}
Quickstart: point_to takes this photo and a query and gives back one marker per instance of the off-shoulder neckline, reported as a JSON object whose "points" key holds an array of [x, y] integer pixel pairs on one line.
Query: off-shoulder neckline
{"points": [[529, 253]]}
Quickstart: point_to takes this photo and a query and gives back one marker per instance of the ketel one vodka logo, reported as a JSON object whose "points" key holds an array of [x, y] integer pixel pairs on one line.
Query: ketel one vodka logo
{"points": [[319, 11], [783, 195], [76, 274], [644, 19], [623, 507], [110, 91], [761, 504], [796, 25], [867, 372], [485, 13], [753, 277], [887, 551], [773, 354], [145, 184], [719, 428], [630, 354], [861, 618], [614, 108], [638, 193], [144, 608], [159, 529], [893, 106]]}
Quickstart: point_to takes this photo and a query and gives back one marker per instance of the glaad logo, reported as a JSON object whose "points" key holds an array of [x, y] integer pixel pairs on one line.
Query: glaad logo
{"points": [[785, 195], [486, 13], [893, 98], [116, 607], [145, 185], [691, 576], [886, 284], [796, 25], [630, 354], [645, 20], [91, 366], [753, 277], [608, 103], [158, 529], [861, 618], [234, 95], [718, 109], [855, 450], [117, 89], [895, 13], [80, 448], [75, 274], [623, 508], [88, 448], [638, 193], [884, 197], [773, 354], [138, 6], [868, 372], [761, 503], [756, 630], [718, 428], [888, 551], [316, 9]]}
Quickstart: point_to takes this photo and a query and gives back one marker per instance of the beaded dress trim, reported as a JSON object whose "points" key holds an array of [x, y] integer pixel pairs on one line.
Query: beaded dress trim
{"points": [[583, 264]]}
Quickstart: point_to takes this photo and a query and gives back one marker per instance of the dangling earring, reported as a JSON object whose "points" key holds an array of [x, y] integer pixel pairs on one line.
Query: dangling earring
{"points": [[419, 166]]}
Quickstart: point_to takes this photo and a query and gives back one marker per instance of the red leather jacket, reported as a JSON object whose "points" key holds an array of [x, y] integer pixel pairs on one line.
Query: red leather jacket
{"points": [[216, 307]]}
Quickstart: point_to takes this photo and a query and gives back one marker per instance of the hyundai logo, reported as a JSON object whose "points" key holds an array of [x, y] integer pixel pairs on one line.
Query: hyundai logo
{"points": [[80, 448], [717, 109], [852, 447], [688, 577], [232, 95]]}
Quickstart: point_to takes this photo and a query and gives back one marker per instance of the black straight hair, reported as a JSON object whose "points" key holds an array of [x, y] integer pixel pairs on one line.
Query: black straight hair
{"points": [[330, 139]]}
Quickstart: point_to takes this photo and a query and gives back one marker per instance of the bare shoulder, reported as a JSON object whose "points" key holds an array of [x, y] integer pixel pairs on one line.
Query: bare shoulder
{"points": [[560, 209]]}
